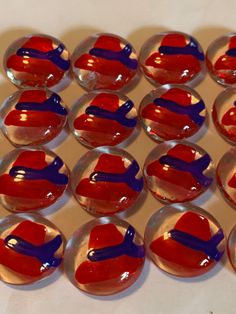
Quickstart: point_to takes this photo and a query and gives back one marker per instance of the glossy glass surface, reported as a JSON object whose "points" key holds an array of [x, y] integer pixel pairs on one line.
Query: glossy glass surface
{"points": [[226, 176], [102, 118], [37, 60], [184, 240], [178, 171], [32, 117], [172, 112], [31, 248], [171, 57], [107, 180], [231, 247], [104, 256], [31, 179], [224, 114], [221, 59], [104, 61]]}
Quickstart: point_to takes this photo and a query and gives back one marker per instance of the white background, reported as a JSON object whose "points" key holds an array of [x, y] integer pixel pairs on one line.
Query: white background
{"points": [[71, 21]]}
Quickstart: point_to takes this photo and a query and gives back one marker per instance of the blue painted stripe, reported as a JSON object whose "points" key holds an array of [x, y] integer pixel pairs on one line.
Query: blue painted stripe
{"points": [[190, 49], [127, 177], [52, 104], [231, 52], [44, 253], [195, 167], [122, 56], [207, 247], [127, 248], [119, 115], [191, 110], [49, 173], [53, 55]]}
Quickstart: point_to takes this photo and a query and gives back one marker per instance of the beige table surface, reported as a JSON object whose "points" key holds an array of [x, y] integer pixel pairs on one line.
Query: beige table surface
{"points": [[71, 21]]}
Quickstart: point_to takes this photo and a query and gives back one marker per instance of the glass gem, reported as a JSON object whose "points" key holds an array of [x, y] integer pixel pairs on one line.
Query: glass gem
{"points": [[221, 59], [107, 180], [224, 114], [231, 247], [104, 61], [31, 248], [104, 256], [102, 118], [178, 171], [31, 179], [171, 57], [226, 176], [184, 240], [37, 60], [172, 112], [32, 117]]}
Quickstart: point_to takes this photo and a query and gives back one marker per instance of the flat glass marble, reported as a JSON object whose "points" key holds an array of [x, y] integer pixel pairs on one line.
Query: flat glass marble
{"points": [[184, 240], [104, 61], [172, 112], [37, 60], [31, 179], [171, 57], [104, 256], [224, 114], [31, 248], [102, 118], [178, 171], [226, 176], [221, 59], [107, 180], [32, 117], [231, 247]]}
